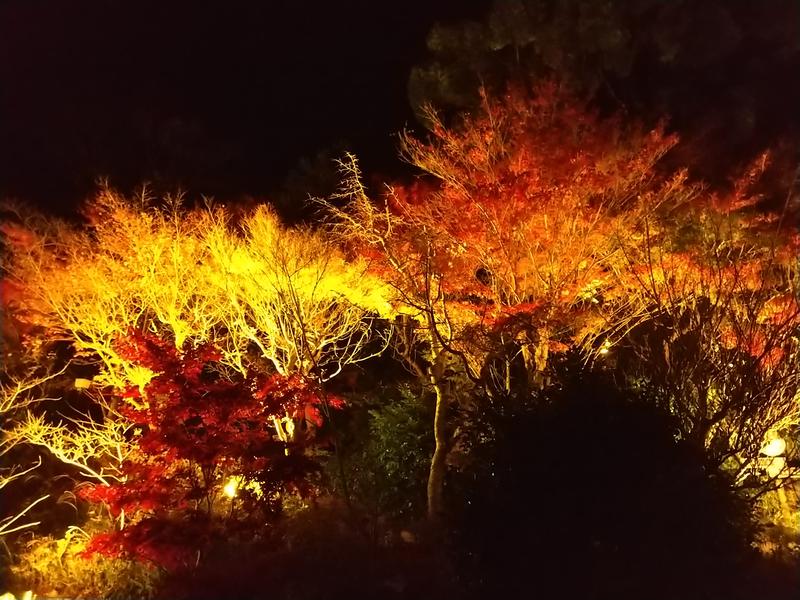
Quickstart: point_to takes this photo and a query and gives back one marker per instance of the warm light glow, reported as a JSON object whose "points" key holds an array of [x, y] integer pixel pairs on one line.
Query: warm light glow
{"points": [[29, 595], [82, 384], [775, 447], [605, 347], [231, 487]]}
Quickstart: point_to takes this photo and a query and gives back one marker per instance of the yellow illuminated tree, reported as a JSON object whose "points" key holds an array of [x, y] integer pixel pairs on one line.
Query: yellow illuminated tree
{"points": [[291, 294], [193, 275], [18, 394], [97, 450], [72, 285], [271, 298]]}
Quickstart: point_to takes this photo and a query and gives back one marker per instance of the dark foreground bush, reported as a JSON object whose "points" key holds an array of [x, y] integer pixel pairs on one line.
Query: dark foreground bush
{"points": [[586, 494], [322, 557]]}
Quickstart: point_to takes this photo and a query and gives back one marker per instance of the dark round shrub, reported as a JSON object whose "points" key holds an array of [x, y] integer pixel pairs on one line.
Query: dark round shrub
{"points": [[584, 492]]}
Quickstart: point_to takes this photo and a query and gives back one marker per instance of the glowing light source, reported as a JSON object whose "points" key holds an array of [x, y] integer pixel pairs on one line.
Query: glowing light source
{"points": [[82, 384], [775, 447], [231, 487], [605, 347], [29, 595]]}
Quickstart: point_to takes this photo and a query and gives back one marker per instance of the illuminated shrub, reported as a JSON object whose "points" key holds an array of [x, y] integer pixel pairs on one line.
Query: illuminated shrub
{"points": [[50, 565]]}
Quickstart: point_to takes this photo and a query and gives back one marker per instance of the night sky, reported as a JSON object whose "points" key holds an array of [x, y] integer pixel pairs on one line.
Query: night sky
{"points": [[220, 97], [245, 99]]}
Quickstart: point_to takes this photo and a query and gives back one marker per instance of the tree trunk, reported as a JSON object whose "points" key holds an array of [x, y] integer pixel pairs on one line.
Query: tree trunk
{"points": [[438, 461], [535, 355]]}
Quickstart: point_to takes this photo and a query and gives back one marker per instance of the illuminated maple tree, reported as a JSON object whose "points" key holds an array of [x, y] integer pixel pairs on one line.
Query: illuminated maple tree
{"points": [[515, 232], [193, 275], [17, 395], [88, 286], [204, 455], [291, 294], [715, 334]]}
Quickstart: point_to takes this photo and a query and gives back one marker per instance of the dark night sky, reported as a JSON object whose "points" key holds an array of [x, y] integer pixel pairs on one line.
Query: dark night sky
{"points": [[221, 96]]}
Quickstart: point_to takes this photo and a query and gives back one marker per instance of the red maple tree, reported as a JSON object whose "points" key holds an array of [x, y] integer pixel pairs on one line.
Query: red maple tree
{"points": [[196, 432]]}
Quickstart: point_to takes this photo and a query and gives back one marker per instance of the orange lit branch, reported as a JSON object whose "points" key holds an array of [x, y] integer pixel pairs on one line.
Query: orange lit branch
{"points": [[716, 326]]}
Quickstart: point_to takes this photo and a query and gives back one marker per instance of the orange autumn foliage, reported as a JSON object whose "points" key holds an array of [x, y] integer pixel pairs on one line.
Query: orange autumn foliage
{"points": [[518, 222]]}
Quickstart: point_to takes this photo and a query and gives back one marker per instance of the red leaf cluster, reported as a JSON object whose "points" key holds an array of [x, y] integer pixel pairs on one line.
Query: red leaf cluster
{"points": [[160, 541], [195, 429]]}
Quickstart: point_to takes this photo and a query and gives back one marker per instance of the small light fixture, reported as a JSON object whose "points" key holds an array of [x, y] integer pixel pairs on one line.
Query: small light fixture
{"points": [[605, 347], [82, 384], [231, 487], [774, 448]]}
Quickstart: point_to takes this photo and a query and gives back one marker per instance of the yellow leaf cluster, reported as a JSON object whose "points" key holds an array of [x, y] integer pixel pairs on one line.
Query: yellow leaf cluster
{"points": [[247, 283]]}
